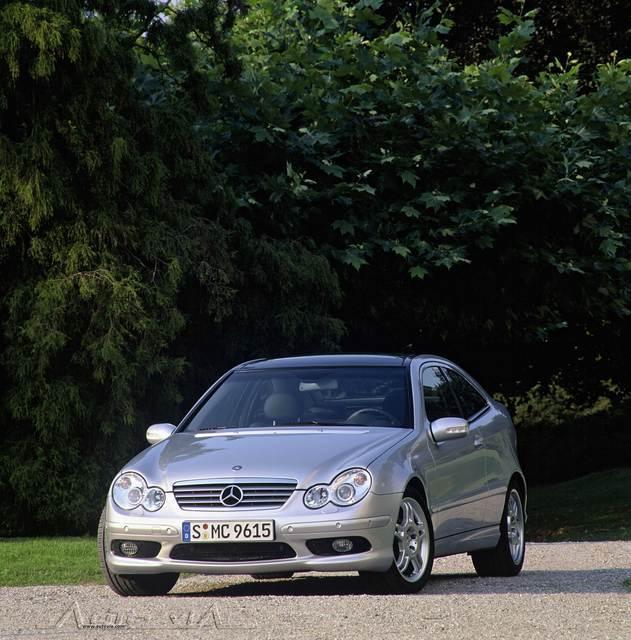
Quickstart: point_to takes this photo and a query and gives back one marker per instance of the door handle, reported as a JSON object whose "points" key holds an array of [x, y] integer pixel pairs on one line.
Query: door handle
{"points": [[478, 442]]}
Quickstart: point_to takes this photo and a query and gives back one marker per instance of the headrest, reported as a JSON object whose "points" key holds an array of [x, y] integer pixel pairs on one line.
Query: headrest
{"points": [[281, 406]]}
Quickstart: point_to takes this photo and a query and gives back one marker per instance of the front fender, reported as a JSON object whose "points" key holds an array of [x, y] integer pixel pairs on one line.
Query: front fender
{"points": [[406, 462]]}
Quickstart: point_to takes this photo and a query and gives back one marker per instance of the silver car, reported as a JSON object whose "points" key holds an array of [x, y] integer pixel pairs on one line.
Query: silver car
{"points": [[368, 463]]}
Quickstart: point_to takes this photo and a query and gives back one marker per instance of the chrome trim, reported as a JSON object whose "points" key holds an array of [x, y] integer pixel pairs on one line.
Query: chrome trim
{"points": [[210, 494]]}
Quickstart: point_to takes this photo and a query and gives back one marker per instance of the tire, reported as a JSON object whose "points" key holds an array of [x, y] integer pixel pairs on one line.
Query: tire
{"points": [[413, 532], [507, 558], [132, 585]]}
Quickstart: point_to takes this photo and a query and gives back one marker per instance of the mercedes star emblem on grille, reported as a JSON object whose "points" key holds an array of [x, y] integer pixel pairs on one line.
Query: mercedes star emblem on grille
{"points": [[231, 496]]}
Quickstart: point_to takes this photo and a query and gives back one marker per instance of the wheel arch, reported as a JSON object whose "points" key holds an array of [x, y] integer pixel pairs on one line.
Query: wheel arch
{"points": [[417, 484], [520, 482]]}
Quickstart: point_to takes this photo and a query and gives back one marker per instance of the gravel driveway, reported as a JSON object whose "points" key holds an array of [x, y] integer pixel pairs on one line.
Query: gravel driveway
{"points": [[567, 590]]}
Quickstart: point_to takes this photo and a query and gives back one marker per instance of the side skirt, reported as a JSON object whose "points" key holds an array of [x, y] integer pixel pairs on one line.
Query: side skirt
{"points": [[486, 538]]}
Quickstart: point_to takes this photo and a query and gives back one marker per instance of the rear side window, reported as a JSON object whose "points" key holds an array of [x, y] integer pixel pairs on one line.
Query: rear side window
{"points": [[437, 396], [470, 400]]}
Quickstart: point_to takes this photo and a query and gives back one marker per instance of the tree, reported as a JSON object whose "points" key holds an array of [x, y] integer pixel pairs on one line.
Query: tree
{"points": [[591, 32], [184, 187], [441, 187], [112, 219]]}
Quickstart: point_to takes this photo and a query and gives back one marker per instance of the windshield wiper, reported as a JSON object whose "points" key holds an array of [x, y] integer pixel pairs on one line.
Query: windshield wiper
{"points": [[313, 423]]}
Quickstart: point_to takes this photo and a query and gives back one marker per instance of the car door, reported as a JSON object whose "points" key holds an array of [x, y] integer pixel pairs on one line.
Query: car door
{"points": [[484, 420], [456, 479]]}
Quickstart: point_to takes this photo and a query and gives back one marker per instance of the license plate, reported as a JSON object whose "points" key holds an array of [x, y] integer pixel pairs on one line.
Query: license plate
{"points": [[228, 531]]}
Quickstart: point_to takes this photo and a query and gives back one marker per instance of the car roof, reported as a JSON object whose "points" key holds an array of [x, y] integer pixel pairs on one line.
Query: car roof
{"points": [[330, 360]]}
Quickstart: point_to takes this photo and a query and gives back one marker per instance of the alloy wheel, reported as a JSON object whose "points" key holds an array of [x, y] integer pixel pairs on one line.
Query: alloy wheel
{"points": [[515, 526], [411, 541]]}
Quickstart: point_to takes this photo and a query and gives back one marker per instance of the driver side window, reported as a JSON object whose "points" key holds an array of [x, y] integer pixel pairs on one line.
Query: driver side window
{"points": [[438, 398]]}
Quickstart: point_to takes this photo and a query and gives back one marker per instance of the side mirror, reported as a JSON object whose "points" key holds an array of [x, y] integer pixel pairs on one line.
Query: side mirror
{"points": [[445, 429], [159, 432]]}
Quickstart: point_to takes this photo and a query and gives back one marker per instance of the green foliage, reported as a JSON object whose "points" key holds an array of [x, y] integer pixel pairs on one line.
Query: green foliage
{"points": [[187, 185], [91, 252], [475, 180], [111, 220], [589, 32], [553, 404]]}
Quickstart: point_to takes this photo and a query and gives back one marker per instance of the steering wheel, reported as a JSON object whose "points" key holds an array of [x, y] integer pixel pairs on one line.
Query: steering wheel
{"points": [[372, 411]]}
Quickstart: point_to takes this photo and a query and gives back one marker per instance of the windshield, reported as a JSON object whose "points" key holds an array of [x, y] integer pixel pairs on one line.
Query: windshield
{"points": [[328, 396]]}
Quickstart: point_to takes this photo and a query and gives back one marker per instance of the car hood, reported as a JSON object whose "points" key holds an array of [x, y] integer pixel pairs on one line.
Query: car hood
{"points": [[308, 455]]}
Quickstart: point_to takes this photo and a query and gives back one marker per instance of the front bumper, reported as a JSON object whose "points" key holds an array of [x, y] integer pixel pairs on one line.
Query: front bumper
{"points": [[373, 519]]}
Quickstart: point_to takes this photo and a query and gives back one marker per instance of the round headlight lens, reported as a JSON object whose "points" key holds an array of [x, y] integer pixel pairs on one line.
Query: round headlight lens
{"points": [[317, 496], [345, 493], [154, 499], [129, 490], [350, 487]]}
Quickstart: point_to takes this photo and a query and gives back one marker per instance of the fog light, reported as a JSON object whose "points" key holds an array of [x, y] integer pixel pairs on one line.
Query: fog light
{"points": [[342, 545], [129, 548]]}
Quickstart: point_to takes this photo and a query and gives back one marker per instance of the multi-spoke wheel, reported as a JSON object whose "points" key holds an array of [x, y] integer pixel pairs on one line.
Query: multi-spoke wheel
{"points": [[411, 541], [413, 548], [515, 527], [507, 558]]}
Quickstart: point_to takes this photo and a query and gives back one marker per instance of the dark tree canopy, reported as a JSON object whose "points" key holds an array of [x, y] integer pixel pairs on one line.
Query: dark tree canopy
{"points": [[187, 185], [590, 31]]}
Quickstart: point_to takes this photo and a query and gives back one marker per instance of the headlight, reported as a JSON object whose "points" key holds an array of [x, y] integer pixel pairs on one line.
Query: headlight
{"points": [[130, 491], [317, 496], [349, 487], [154, 499]]}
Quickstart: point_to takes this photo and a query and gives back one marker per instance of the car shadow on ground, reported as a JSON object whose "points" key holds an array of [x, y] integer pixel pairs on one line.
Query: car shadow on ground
{"points": [[528, 582]]}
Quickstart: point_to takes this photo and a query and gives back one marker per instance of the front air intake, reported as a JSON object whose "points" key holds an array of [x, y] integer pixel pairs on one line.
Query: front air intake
{"points": [[232, 551]]}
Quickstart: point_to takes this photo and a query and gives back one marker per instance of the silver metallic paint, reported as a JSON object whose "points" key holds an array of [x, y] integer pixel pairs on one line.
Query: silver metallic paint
{"points": [[464, 483]]}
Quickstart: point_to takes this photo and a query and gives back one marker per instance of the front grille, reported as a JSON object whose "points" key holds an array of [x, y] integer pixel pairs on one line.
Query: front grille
{"points": [[232, 551], [257, 494]]}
